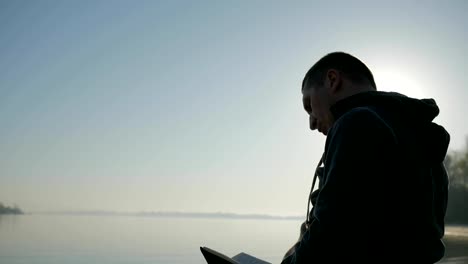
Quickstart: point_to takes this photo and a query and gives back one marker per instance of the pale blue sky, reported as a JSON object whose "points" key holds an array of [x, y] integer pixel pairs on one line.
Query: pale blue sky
{"points": [[196, 105]]}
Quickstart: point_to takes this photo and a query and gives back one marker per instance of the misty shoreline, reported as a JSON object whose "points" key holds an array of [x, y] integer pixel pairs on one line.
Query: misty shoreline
{"points": [[169, 214]]}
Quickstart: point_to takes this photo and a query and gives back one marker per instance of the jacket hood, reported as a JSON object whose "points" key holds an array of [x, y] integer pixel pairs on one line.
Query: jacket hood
{"points": [[411, 120]]}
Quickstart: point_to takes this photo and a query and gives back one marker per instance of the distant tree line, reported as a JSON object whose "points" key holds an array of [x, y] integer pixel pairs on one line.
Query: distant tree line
{"points": [[456, 164], [9, 210]]}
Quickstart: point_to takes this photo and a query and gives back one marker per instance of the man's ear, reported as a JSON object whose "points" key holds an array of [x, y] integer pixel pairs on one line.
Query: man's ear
{"points": [[333, 79]]}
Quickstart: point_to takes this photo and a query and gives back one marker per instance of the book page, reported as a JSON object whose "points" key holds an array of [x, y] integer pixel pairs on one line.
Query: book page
{"points": [[244, 258]]}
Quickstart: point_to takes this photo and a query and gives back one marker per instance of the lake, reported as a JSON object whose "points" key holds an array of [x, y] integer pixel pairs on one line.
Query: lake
{"points": [[130, 239], [73, 239]]}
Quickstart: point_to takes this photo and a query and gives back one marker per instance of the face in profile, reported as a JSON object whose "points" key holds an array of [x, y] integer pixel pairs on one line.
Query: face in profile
{"points": [[317, 103]]}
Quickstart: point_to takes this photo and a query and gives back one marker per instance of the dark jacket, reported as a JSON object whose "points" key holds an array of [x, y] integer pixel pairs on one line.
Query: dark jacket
{"points": [[383, 193]]}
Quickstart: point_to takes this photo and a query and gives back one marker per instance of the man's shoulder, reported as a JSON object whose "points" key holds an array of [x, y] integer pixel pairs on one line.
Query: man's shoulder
{"points": [[360, 118], [360, 126], [360, 132]]}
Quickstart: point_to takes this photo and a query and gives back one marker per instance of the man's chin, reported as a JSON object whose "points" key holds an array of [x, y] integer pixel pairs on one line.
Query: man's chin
{"points": [[323, 131]]}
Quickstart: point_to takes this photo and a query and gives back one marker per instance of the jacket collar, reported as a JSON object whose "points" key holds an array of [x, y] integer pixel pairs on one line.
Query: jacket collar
{"points": [[353, 101]]}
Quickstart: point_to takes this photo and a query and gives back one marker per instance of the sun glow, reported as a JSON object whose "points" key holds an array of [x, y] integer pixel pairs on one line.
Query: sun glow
{"points": [[398, 81]]}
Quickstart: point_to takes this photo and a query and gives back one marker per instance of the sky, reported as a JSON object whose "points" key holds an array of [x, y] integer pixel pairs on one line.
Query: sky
{"points": [[196, 106]]}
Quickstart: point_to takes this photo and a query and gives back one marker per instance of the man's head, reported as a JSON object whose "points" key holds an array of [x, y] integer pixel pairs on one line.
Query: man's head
{"points": [[334, 77]]}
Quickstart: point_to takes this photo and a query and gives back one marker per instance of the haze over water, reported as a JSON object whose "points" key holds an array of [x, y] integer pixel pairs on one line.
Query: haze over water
{"points": [[74, 239]]}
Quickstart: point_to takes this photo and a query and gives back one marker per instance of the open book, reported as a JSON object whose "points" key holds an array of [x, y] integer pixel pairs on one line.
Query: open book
{"points": [[214, 257]]}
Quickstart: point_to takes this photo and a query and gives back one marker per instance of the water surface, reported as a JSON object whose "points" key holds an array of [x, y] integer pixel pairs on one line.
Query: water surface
{"points": [[131, 239]]}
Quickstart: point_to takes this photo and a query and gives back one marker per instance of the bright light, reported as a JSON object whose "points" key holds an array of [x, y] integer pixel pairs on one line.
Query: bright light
{"points": [[398, 81]]}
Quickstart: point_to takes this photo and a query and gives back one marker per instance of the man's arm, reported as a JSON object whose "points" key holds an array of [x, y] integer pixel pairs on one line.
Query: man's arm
{"points": [[354, 187]]}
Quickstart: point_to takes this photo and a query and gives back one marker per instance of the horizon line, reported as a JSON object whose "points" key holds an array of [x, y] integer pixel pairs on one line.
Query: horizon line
{"points": [[178, 214]]}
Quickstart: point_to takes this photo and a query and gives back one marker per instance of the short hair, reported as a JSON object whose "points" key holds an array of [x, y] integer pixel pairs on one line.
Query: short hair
{"points": [[347, 64]]}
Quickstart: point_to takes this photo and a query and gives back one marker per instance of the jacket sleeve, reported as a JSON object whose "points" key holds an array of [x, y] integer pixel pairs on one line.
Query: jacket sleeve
{"points": [[353, 189]]}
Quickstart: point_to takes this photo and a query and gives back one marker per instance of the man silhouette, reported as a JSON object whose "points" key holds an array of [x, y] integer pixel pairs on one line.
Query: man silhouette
{"points": [[382, 195]]}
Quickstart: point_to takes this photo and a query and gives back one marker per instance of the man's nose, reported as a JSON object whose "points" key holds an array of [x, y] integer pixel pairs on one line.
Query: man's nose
{"points": [[312, 122]]}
